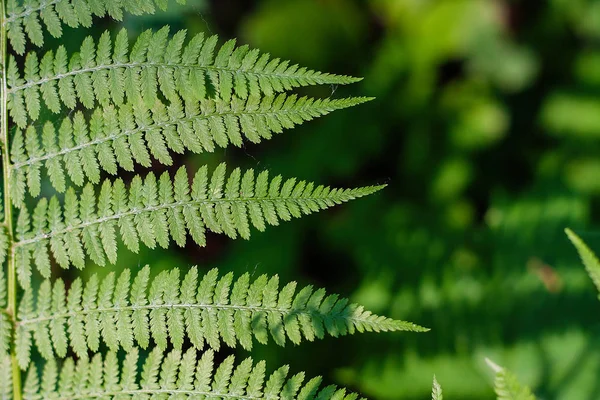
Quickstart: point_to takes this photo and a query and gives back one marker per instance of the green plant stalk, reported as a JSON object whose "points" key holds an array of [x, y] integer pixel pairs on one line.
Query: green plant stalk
{"points": [[8, 223]]}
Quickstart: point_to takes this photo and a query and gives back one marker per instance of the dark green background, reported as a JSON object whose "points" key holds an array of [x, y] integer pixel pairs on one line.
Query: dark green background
{"points": [[486, 128]]}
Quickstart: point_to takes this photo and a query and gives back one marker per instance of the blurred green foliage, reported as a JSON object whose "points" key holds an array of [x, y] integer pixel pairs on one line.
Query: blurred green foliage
{"points": [[487, 129]]}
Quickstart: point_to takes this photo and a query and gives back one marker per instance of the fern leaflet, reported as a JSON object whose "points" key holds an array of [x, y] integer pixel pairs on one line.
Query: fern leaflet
{"points": [[174, 374], [170, 309], [6, 384], [154, 211], [6, 323], [26, 17], [114, 139], [108, 74]]}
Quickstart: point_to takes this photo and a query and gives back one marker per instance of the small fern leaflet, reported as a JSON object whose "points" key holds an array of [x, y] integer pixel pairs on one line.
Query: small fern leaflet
{"points": [[6, 384]]}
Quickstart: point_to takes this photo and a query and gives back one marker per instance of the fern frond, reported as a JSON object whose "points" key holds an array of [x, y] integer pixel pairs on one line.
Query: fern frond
{"points": [[589, 259], [507, 386], [26, 17], [154, 211], [436, 390], [174, 375], [167, 309], [107, 73], [6, 384], [114, 139]]}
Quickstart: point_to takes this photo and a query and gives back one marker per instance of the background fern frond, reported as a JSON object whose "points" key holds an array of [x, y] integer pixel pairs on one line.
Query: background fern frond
{"points": [[134, 133], [25, 18], [107, 73], [167, 309], [589, 259], [173, 374], [507, 386], [436, 390], [153, 211]]}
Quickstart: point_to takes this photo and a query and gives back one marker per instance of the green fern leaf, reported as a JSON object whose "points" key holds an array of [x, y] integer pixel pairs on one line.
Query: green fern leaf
{"points": [[5, 333], [4, 242], [589, 259], [507, 385], [26, 18], [436, 390], [6, 325], [153, 211], [107, 74], [113, 139], [174, 375], [6, 383], [207, 312]]}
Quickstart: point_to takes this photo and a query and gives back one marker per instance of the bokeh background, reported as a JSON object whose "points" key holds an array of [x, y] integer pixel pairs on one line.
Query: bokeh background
{"points": [[486, 128]]}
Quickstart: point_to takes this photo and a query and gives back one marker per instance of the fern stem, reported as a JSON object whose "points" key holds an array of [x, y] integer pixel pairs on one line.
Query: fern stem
{"points": [[12, 278]]}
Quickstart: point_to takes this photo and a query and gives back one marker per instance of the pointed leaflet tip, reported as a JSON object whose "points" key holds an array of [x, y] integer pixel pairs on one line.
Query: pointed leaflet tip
{"points": [[589, 259], [495, 367]]}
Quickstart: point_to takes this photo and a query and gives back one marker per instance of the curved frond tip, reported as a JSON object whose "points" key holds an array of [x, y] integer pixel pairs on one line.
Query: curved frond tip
{"points": [[174, 375], [589, 259], [154, 211], [205, 310], [111, 73]]}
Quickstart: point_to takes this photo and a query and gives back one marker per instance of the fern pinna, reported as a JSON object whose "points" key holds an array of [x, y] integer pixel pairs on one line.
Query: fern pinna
{"points": [[74, 120]]}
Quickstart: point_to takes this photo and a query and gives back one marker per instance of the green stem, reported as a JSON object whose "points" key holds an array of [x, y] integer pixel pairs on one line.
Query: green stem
{"points": [[8, 223]]}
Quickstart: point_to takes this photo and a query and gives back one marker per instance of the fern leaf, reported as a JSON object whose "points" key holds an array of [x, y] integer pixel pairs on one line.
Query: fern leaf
{"points": [[5, 333], [507, 386], [107, 73], [4, 242], [589, 259], [177, 375], [28, 17], [114, 139], [205, 310], [6, 384], [436, 390], [153, 211], [6, 324]]}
